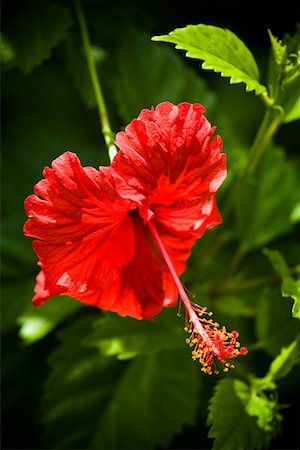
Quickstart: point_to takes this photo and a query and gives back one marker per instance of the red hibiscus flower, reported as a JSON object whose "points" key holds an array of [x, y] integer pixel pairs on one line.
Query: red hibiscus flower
{"points": [[88, 244], [118, 237], [169, 156]]}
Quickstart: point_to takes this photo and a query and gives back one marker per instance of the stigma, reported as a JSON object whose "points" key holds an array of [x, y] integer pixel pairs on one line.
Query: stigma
{"points": [[215, 345]]}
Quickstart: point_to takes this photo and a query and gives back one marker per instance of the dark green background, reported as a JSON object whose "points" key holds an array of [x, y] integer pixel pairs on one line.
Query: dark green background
{"points": [[43, 116]]}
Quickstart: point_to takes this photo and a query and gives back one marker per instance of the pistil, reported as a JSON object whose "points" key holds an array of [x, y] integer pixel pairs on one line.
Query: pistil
{"points": [[208, 339]]}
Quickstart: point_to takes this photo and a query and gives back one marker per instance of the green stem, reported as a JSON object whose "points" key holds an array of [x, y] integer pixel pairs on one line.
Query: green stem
{"points": [[259, 345], [268, 101], [103, 115], [269, 126], [252, 283], [233, 266]]}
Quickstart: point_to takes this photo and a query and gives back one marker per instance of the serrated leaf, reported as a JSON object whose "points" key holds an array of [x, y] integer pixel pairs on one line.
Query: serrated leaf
{"points": [[32, 30], [264, 409], [232, 426], [126, 338], [284, 74], [92, 401], [155, 398], [289, 287], [160, 76], [261, 215], [36, 323], [279, 49], [285, 361], [80, 383], [221, 50]]}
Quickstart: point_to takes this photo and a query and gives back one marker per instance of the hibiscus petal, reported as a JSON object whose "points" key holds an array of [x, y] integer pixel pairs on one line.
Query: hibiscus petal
{"points": [[179, 233], [42, 294], [138, 291], [169, 155], [82, 225], [175, 142]]}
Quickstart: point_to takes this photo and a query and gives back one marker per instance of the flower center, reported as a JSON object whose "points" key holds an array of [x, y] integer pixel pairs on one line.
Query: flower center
{"points": [[210, 342]]}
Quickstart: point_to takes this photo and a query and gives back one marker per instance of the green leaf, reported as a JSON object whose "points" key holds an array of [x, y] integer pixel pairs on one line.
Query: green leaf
{"points": [[6, 52], [156, 396], [93, 401], [279, 368], [231, 416], [161, 76], [279, 50], [80, 383], [275, 327], [284, 74], [261, 216], [295, 215], [289, 287], [31, 31], [36, 323], [294, 112], [126, 338], [221, 50], [264, 409], [285, 361]]}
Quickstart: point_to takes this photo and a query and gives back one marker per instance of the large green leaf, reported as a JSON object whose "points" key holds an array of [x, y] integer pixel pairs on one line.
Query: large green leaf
{"points": [[80, 383], [262, 209], [236, 418], [221, 50], [160, 76], [290, 287], [93, 401], [31, 31], [157, 395], [126, 337]]}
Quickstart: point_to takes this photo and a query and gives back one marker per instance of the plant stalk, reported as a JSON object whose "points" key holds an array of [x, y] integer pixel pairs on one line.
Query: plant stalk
{"points": [[252, 283], [268, 128], [103, 115]]}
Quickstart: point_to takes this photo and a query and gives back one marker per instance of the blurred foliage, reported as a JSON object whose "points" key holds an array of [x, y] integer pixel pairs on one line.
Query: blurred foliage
{"points": [[74, 377]]}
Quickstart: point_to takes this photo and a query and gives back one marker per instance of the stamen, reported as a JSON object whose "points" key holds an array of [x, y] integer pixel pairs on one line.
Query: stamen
{"points": [[179, 308], [209, 341]]}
